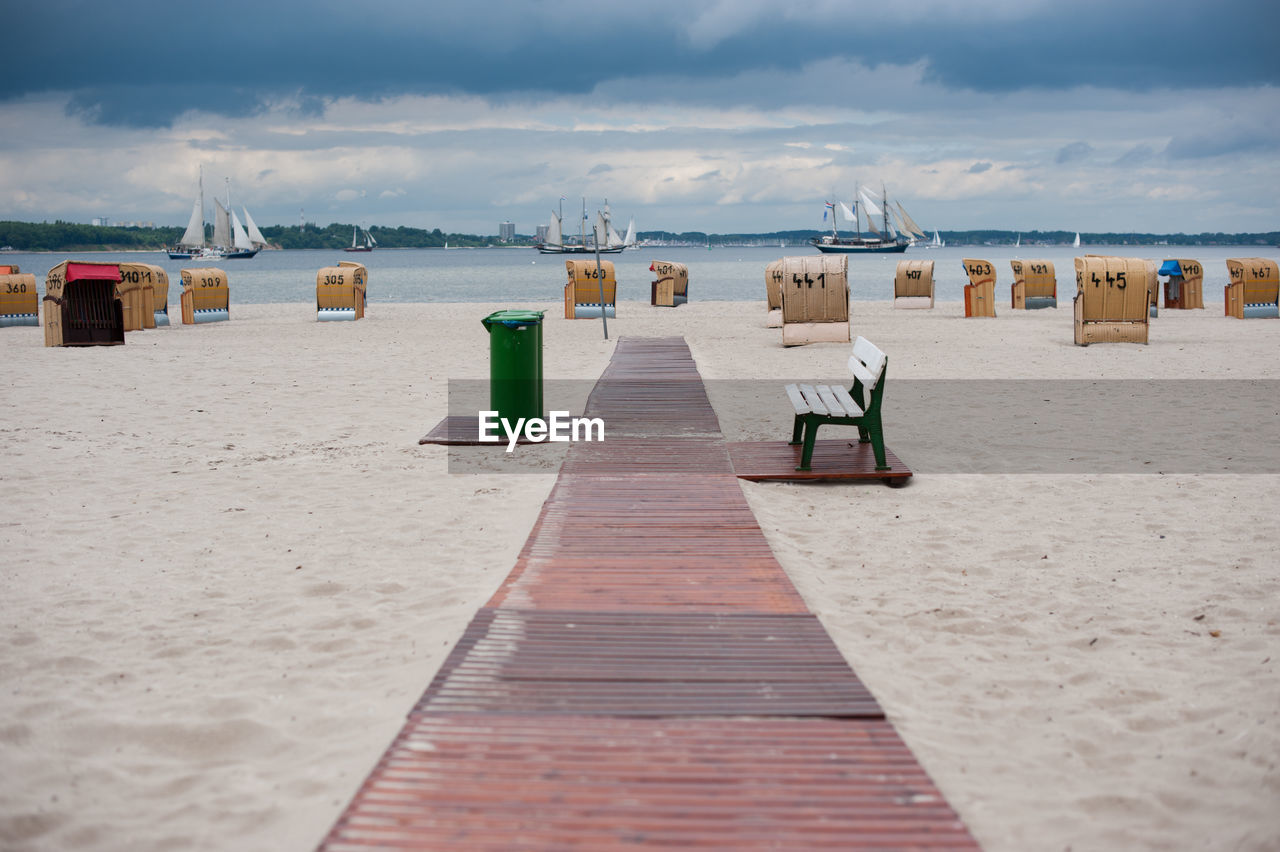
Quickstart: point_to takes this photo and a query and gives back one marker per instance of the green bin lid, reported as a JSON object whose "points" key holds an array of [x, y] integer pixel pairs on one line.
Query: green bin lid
{"points": [[513, 318]]}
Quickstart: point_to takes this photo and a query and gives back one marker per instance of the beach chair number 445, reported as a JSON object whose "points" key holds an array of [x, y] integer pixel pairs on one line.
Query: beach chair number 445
{"points": [[1118, 280]]}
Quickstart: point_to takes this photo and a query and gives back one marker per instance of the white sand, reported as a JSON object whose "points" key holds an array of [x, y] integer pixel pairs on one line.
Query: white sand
{"points": [[229, 570]]}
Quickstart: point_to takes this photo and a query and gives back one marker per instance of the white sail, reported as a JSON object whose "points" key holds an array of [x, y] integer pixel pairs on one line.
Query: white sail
{"points": [[255, 236], [239, 239], [554, 235], [937, 240], [369, 238], [194, 234], [911, 226], [630, 239], [1076, 244], [355, 235], [869, 205], [221, 225], [846, 212], [602, 230]]}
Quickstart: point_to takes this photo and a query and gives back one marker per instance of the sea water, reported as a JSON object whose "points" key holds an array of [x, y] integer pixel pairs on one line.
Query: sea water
{"points": [[523, 275]]}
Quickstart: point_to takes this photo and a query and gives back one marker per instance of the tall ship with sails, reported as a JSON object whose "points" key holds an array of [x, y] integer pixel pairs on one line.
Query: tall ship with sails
{"points": [[887, 237], [231, 239], [609, 240]]}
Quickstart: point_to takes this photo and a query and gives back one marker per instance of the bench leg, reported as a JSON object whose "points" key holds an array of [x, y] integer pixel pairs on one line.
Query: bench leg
{"points": [[797, 430], [876, 435], [806, 455], [864, 436]]}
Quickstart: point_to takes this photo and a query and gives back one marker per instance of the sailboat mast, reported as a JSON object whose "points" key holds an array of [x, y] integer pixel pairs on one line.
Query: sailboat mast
{"points": [[884, 203], [203, 242], [857, 203]]}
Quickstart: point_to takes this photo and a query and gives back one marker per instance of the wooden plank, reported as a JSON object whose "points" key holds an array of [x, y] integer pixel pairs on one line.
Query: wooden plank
{"points": [[836, 458], [647, 675]]}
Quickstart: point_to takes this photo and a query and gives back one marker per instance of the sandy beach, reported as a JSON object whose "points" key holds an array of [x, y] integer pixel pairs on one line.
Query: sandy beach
{"points": [[230, 570]]}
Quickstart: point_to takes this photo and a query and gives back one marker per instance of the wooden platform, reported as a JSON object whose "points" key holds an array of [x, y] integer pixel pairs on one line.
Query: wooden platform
{"points": [[834, 458], [647, 675], [461, 430]]}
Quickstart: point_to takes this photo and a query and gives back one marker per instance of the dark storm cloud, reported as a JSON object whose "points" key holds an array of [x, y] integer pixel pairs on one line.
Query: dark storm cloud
{"points": [[142, 62]]}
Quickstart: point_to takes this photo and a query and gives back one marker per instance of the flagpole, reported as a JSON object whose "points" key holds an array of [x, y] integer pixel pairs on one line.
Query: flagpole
{"points": [[604, 321]]}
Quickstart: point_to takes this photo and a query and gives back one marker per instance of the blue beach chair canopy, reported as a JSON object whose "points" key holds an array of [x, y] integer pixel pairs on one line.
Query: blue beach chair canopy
{"points": [[1170, 267]]}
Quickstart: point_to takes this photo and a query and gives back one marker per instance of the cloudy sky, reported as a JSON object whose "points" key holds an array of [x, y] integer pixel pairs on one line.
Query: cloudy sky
{"points": [[730, 116]]}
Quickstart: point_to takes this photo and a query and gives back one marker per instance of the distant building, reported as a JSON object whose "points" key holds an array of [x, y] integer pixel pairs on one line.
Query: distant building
{"points": [[506, 232], [100, 222], [542, 233]]}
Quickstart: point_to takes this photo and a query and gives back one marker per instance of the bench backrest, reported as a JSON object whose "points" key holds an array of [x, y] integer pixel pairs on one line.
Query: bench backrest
{"points": [[1037, 276], [815, 288], [584, 280], [867, 363], [1260, 278], [677, 272], [1112, 289], [913, 278]]}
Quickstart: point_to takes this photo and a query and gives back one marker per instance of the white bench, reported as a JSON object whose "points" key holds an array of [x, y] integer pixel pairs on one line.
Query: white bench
{"points": [[820, 405]]}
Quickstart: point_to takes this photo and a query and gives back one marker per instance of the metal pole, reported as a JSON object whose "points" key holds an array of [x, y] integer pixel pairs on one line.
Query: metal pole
{"points": [[604, 321]]}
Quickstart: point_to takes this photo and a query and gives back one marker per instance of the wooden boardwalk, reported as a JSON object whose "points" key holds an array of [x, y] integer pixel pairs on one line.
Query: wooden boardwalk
{"points": [[647, 675]]}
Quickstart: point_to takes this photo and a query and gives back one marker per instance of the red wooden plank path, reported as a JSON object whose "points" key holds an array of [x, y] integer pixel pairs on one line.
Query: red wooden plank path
{"points": [[647, 675]]}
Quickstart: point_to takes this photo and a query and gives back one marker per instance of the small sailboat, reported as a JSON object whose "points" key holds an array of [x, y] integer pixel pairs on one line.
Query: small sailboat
{"points": [[1076, 244], [936, 242], [362, 240]]}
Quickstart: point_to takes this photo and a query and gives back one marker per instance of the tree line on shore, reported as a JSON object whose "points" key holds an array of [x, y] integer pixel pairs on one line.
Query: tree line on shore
{"points": [[71, 237]]}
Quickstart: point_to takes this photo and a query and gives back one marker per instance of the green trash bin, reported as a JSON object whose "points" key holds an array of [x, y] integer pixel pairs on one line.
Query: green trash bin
{"points": [[515, 363]]}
